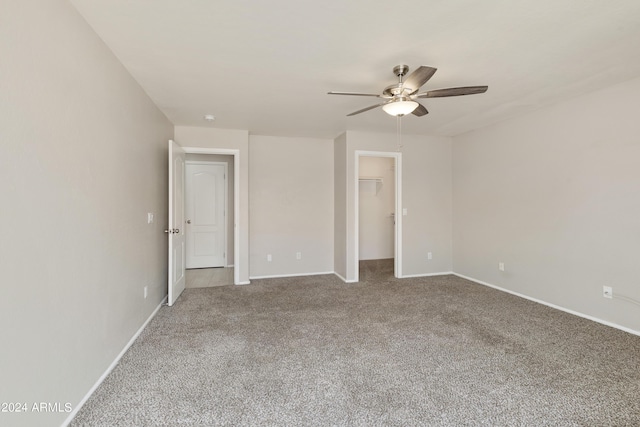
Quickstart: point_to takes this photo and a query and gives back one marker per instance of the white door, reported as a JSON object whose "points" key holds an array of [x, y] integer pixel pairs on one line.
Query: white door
{"points": [[176, 222], [206, 197]]}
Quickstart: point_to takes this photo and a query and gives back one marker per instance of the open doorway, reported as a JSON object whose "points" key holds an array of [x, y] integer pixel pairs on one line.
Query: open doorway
{"points": [[376, 216], [209, 213], [176, 224], [378, 219]]}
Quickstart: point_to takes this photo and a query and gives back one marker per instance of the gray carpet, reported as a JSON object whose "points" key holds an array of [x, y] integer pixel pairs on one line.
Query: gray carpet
{"points": [[313, 351]]}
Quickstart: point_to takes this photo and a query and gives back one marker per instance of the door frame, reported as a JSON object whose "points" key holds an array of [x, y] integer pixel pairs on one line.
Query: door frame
{"points": [[236, 200], [225, 198], [397, 251]]}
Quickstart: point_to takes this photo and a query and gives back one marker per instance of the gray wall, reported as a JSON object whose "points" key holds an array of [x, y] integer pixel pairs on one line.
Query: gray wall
{"points": [[555, 195], [291, 205], [340, 206], [83, 159]]}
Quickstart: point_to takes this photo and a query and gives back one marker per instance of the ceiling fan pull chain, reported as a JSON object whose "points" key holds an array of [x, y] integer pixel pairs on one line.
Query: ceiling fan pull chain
{"points": [[399, 133]]}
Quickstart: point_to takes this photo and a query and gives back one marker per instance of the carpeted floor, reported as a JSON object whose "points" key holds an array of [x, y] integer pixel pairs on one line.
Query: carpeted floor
{"points": [[313, 351]]}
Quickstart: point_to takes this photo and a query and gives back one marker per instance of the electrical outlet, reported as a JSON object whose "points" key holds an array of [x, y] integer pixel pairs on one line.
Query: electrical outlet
{"points": [[429, 255], [607, 291], [298, 255], [146, 292], [501, 266], [269, 259]]}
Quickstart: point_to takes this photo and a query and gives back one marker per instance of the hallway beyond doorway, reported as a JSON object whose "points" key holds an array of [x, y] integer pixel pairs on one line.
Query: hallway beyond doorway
{"points": [[209, 277]]}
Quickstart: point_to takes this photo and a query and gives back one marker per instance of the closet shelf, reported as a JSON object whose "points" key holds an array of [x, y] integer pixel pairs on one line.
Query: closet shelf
{"points": [[371, 178], [373, 183]]}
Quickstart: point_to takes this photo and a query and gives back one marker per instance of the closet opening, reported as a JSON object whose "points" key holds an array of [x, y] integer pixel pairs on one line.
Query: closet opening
{"points": [[378, 227]]}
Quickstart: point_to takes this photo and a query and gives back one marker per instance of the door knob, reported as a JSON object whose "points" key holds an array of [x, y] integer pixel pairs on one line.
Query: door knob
{"points": [[166, 231], [188, 221]]}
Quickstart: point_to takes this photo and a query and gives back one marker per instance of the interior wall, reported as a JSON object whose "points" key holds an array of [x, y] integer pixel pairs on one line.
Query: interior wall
{"points": [[426, 195], [376, 208], [291, 205], [220, 158], [554, 195], [206, 137], [340, 206], [83, 160]]}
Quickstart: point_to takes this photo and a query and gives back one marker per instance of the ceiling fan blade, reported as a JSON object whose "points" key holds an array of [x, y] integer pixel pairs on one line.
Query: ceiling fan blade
{"points": [[353, 94], [420, 76], [366, 109], [420, 111], [453, 91]]}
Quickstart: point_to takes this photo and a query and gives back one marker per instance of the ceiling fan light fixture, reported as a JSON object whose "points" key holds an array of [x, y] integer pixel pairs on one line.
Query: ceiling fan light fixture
{"points": [[400, 107]]}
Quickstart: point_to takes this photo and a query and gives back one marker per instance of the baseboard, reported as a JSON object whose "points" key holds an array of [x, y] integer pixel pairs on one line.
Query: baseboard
{"points": [[443, 273], [244, 283], [343, 279], [557, 307], [276, 276], [113, 365]]}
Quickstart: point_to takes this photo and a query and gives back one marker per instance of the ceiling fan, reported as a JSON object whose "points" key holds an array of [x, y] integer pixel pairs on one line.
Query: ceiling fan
{"points": [[400, 98]]}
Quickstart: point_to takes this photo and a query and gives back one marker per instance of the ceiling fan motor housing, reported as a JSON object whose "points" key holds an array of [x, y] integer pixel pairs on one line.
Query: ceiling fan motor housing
{"points": [[393, 90], [398, 88]]}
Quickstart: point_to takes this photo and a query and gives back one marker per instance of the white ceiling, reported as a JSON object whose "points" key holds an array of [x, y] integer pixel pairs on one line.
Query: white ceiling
{"points": [[266, 66]]}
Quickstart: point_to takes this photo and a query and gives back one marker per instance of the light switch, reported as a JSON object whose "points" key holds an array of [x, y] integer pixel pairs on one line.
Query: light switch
{"points": [[150, 218], [404, 211]]}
